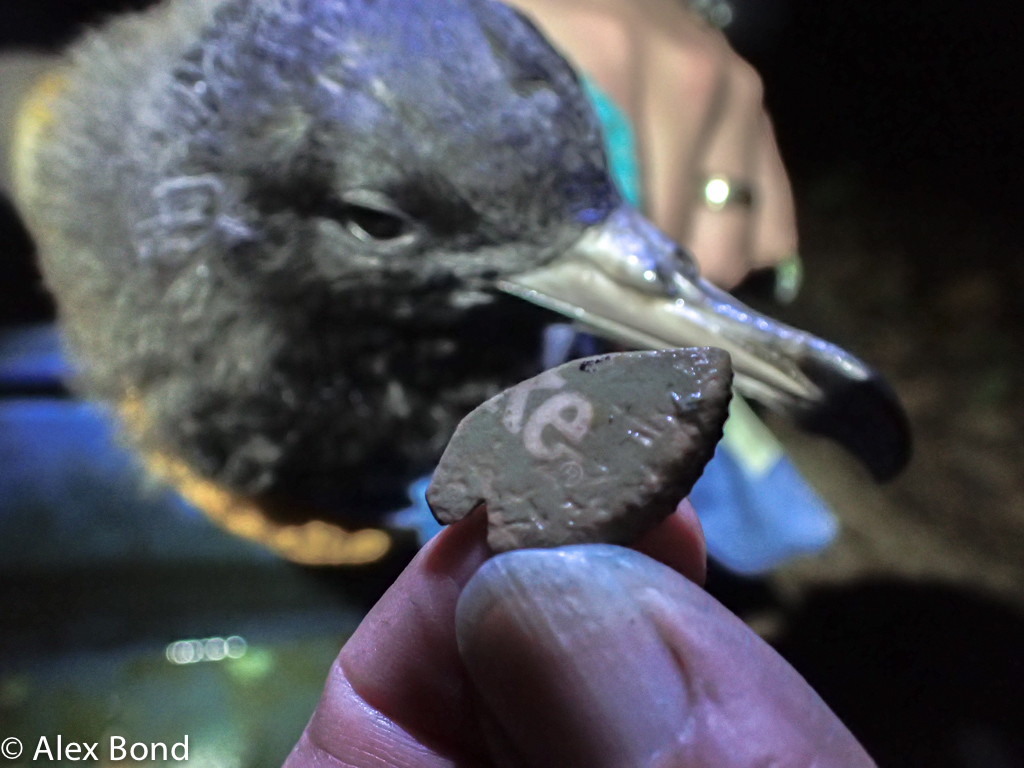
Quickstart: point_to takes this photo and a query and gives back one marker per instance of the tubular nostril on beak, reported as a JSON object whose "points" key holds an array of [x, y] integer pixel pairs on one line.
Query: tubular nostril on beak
{"points": [[685, 264], [631, 251]]}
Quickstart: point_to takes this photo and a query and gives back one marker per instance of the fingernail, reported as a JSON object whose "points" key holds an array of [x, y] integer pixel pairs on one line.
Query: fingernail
{"points": [[568, 665]]}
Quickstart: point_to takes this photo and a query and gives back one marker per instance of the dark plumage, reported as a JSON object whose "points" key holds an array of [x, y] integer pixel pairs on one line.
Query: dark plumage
{"points": [[275, 223]]}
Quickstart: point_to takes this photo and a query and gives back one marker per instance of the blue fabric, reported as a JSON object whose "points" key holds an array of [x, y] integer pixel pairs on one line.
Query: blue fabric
{"points": [[753, 524], [417, 517], [71, 495], [31, 356]]}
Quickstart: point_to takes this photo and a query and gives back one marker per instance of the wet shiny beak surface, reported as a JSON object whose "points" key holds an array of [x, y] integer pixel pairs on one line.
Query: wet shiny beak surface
{"points": [[628, 282]]}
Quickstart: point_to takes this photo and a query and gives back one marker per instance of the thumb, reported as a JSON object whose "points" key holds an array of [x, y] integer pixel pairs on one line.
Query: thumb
{"points": [[597, 656]]}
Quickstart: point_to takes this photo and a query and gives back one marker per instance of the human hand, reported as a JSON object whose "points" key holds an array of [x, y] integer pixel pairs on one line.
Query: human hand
{"points": [[588, 655], [697, 112]]}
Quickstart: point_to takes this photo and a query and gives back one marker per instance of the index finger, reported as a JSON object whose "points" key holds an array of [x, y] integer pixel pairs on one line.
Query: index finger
{"points": [[397, 695]]}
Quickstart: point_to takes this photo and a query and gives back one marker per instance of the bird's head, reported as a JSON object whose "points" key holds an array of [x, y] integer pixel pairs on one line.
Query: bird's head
{"points": [[363, 145]]}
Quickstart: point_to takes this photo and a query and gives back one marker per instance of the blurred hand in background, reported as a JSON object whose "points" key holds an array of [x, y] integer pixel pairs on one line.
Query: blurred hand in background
{"points": [[697, 111]]}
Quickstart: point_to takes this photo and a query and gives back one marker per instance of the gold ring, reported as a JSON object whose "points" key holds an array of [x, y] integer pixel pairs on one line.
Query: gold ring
{"points": [[719, 192]]}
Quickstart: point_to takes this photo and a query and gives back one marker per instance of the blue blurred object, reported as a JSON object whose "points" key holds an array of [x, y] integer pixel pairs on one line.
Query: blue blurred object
{"points": [[756, 510], [70, 494], [752, 525], [417, 517], [30, 357]]}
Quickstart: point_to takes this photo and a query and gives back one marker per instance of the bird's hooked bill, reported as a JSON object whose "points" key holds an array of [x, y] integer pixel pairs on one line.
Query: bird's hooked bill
{"points": [[627, 281]]}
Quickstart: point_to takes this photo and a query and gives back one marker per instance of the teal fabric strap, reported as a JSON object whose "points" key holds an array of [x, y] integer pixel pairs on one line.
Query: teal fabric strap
{"points": [[619, 142]]}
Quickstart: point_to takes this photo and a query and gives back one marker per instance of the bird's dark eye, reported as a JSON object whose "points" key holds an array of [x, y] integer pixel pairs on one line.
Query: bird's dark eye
{"points": [[370, 224], [370, 216]]}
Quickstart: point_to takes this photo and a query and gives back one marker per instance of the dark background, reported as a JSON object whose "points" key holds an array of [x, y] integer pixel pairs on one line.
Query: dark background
{"points": [[900, 123]]}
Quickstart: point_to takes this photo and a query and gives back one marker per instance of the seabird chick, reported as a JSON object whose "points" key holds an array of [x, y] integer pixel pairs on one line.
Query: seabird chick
{"points": [[286, 237]]}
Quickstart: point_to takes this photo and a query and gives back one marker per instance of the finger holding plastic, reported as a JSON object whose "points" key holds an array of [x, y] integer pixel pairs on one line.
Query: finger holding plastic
{"points": [[397, 695], [596, 655]]}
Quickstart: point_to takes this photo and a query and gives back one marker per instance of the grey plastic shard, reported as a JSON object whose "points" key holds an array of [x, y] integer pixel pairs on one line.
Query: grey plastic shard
{"points": [[596, 450]]}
